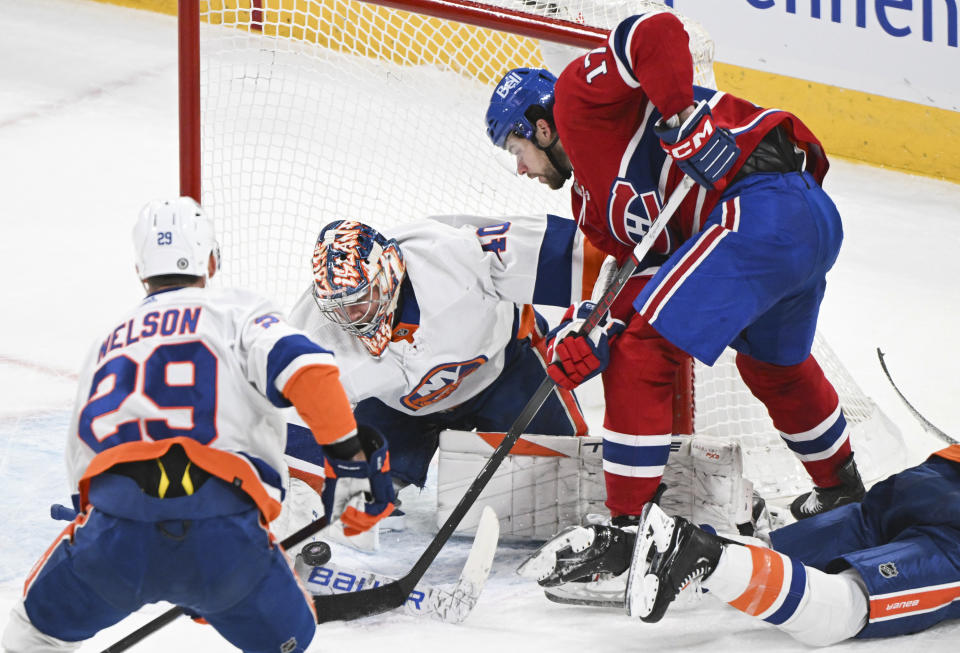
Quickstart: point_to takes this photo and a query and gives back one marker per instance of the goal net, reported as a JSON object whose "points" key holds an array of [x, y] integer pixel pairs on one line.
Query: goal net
{"points": [[298, 112]]}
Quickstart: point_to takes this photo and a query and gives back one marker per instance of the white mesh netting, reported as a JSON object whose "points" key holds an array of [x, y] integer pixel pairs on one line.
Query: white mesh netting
{"points": [[316, 110]]}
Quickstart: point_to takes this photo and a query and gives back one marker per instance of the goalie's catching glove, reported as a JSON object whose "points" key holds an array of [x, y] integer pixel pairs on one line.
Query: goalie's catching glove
{"points": [[701, 149], [580, 553], [573, 358], [347, 480]]}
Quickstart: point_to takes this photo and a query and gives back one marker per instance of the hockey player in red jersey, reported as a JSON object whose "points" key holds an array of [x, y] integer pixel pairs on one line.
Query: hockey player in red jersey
{"points": [[175, 456], [741, 263]]}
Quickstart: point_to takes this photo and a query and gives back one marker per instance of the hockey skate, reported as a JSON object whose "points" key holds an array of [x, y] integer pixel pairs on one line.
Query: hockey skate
{"points": [[581, 553], [822, 499], [671, 554], [596, 590]]}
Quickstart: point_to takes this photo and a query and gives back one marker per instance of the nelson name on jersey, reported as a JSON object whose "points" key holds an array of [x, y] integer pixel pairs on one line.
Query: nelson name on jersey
{"points": [[173, 321]]}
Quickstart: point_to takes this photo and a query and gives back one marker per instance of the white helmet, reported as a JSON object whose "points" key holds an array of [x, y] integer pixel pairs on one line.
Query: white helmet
{"points": [[174, 237]]}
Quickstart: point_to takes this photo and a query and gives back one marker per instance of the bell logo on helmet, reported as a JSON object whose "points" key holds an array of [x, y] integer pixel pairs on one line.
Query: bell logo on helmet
{"points": [[510, 82]]}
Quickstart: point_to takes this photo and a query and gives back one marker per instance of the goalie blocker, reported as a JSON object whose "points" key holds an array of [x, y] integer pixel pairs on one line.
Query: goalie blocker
{"points": [[550, 482]]}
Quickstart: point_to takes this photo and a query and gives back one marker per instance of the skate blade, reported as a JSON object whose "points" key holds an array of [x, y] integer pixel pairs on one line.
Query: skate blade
{"points": [[592, 602], [655, 532], [543, 562]]}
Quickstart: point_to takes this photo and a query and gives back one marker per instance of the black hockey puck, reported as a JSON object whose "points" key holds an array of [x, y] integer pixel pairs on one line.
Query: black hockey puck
{"points": [[316, 554]]}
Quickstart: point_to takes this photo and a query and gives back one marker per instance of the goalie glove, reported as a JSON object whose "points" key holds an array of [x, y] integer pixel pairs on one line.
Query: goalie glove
{"points": [[581, 553], [573, 357], [702, 150], [349, 480]]}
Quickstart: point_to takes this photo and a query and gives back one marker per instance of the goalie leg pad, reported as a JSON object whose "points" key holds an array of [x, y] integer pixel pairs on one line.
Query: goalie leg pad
{"points": [[301, 506], [547, 482], [706, 485]]}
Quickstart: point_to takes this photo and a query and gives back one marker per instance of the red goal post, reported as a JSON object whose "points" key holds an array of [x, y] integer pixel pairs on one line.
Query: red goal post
{"points": [[471, 13]]}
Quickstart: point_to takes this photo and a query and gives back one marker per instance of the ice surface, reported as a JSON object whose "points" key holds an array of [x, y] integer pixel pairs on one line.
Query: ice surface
{"points": [[88, 133]]}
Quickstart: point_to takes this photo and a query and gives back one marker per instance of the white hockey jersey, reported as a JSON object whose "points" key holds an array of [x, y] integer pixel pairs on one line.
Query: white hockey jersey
{"points": [[204, 364], [468, 274]]}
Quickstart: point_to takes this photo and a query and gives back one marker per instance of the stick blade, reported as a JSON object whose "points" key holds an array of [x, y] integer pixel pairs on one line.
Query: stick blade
{"points": [[384, 598], [480, 561], [455, 606], [365, 603]]}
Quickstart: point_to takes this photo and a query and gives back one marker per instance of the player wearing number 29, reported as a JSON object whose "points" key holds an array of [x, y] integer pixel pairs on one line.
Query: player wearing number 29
{"points": [[175, 453], [745, 254]]}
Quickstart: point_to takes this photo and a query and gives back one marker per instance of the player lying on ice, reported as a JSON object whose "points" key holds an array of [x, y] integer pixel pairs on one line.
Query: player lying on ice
{"points": [[433, 330], [175, 452], [889, 565]]}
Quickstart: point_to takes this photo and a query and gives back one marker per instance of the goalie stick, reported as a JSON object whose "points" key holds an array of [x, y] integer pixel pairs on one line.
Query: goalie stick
{"points": [[924, 422], [450, 604], [393, 595]]}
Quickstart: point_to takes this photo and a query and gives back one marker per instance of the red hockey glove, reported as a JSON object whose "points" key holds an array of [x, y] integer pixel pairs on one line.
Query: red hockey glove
{"points": [[345, 479], [701, 149], [574, 358]]}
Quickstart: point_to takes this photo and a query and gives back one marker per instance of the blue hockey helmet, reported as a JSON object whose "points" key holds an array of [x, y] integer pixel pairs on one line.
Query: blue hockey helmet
{"points": [[520, 89]]}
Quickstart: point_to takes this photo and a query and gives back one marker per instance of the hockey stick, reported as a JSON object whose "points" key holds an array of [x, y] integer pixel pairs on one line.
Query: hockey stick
{"points": [[171, 615], [393, 595], [450, 604], [924, 422]]}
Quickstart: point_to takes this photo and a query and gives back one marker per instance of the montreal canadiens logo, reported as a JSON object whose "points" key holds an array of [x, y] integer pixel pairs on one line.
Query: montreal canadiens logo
{"points": [[440, 382], [630, 213]]}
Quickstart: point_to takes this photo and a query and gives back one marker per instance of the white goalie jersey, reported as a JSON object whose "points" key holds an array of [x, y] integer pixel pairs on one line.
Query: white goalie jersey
{"points": [[468, 274]]}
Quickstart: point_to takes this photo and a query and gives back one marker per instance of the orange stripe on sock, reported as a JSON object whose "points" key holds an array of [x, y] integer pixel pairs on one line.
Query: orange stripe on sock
{"points": [[766, 582]]}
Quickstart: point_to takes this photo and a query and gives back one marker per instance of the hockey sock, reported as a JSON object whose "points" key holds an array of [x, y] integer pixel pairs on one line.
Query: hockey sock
{"points": [[805, 408], [633, 468], [813, 607]]}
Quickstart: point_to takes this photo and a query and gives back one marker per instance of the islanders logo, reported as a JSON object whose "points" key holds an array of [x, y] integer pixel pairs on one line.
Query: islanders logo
{"points": [[441, 382]]}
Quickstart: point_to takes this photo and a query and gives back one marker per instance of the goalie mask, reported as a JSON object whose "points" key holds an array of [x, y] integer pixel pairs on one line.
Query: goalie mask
{"points": [[356, 281], [174, 237]]}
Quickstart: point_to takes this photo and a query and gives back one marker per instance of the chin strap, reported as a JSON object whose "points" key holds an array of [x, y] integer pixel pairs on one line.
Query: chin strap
{"points": [[564, 171]]}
